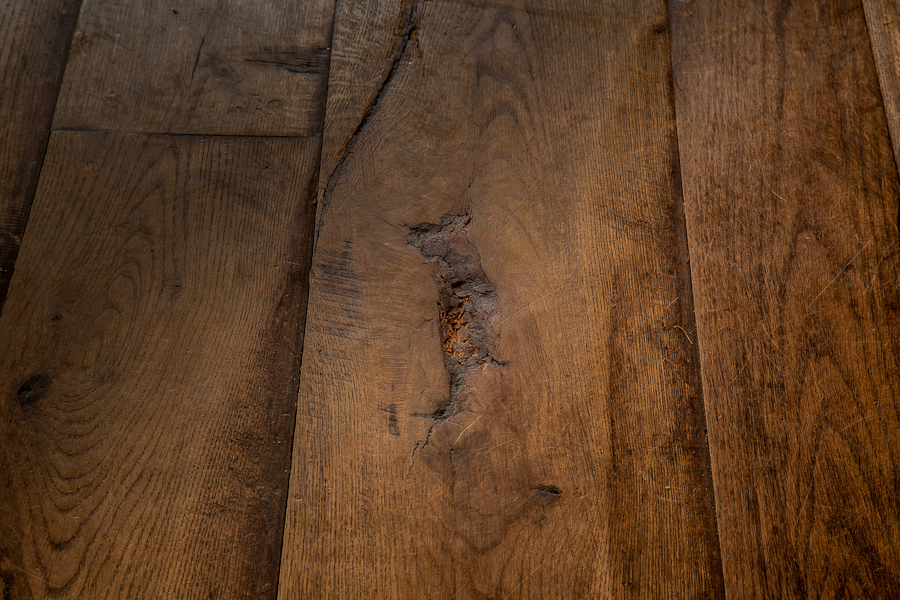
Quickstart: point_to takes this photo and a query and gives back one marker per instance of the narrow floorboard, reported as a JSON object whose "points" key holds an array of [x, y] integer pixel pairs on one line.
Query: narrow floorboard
{"points": [[369, 38], [791, 197], [34, 44], [499, 394]]}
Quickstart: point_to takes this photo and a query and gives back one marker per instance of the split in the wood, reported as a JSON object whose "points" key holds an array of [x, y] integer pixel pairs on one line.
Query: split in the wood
{"points": [[33, 390], [467, 304]]}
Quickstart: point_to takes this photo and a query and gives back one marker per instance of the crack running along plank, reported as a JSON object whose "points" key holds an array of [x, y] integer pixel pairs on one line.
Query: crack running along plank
{"points": [[148, 361], [198, 66], [379, 34], [791, 200], [34, 42], [499, 395]]}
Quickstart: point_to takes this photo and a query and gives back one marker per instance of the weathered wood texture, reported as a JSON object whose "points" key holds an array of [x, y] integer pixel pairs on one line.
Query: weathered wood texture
{"points": [[368, 52], [791, 197], [34, 42], [147, 359], [208, 67], [883, 23], [499, 395]]}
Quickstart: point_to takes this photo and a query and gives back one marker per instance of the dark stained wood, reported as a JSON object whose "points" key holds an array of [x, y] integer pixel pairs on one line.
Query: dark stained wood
{"points": [[791, 197], [34, 41], [883, 24], [147, 359], [198, 66], [499, 395]]}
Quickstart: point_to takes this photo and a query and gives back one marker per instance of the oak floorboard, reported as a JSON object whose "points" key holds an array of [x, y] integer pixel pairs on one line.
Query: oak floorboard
{"points": [[883, 25], [791, 198], [34, 43], [499, 396], [148, 358], [239, 67], [366, 68]]}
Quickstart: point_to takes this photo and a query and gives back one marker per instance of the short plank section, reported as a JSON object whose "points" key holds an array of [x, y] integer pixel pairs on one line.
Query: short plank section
{"points": [[34, 42], [499, 395], [147, 362], [198, 66], [791, 200], [883, 22]]}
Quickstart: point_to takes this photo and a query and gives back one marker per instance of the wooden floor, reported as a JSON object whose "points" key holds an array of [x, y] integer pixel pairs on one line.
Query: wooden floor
{"points": [[450, 299]]}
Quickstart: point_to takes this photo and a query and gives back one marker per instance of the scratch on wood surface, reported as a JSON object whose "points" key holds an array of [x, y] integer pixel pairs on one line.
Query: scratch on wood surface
{"points": [[299, 61], [856, 422], [835, 278], [197, 58], [489, 448], [467, 428], [772, 339], [29, 573], [538, 568], [212, 18], [802, 506], [14, 530]]}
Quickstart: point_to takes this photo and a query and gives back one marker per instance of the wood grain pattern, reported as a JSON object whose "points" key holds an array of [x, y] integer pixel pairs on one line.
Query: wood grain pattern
{"points": [[791, 198], [208, 67], [372, 37], [883, 25], [34, 42], [499, 395], [147, 361]]}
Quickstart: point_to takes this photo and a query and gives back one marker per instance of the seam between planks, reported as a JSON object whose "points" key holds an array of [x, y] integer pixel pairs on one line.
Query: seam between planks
{"points": [[30, 193], [685, 272], [188, 135], [310, 248]]}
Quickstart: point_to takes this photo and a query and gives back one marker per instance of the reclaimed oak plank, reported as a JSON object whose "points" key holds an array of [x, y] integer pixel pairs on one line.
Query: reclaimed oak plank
{"points": [[791, 196], [148, 361], [203, 67], [499, 395], [34, 43]]}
